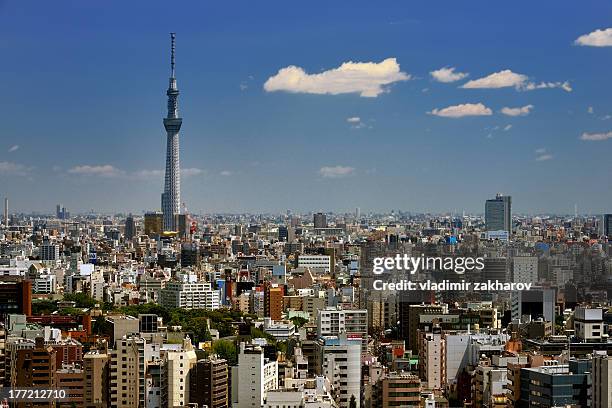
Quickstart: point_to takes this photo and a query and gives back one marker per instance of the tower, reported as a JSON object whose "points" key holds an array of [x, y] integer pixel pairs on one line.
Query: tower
{"points": [[498, 214], [171, 197]]}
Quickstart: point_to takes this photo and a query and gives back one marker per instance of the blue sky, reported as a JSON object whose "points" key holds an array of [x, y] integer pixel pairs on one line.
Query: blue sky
{"points": [[84, 95]]}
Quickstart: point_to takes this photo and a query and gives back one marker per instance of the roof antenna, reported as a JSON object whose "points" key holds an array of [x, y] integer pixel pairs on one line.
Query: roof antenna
{"points": [[172, 37]]}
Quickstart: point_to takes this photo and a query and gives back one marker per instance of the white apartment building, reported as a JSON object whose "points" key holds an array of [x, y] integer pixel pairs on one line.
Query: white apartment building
{"points": [[341, 365], [44, 283], [175, 373], [254, 376], [320, 263], [525, 269], [189, 296], [332, 321]]}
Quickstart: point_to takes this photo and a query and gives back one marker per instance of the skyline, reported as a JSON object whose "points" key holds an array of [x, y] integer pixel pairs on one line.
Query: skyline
{"points": [[425, 124]]}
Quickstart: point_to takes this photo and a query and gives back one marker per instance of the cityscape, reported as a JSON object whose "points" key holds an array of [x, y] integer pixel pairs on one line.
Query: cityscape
{"points": [[340, 294]]}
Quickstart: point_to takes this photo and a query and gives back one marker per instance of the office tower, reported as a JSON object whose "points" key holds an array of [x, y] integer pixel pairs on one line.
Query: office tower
{"points": [[357, 213], [253, 377], [283, 233], [35, 367], [95, 387], [208, 383], [602, 381], [176, 371], [49, 252], [498, 213], [495, 269], [58, 211], [6, 215], [130, 227], [273, 302], [153, 224], [537, 302], [320, 220], [125, 373], [190, 254], [332, 321], [525, 269], [171, 197], [341, 365], [607, 225], [15, 297], [556, 385]]}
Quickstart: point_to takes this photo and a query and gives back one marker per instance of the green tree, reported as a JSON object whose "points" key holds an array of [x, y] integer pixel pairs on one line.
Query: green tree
{"points": [[298, 321], [226, 349]]}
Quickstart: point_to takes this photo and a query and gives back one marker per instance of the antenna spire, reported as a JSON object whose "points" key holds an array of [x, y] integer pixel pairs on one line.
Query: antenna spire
{"points": [[172, 38]]}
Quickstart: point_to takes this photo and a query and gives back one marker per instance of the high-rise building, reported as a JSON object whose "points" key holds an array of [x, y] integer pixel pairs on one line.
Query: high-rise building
{"points": [[253, 377], [273, 302], [332, 321], [125, 373], [15, 297], [607, 225], [556, 385], [498, 213], [341, 365], [130, 227], [6, 215], [525, 269], [176, 371], [602, 381], [171, 197], [36, 367], [208, 383], [320, 220], [96, 386], [153, 224]]}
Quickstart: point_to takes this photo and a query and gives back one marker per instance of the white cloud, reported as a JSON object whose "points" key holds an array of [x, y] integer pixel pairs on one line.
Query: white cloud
{"points": [[14, 169], [543, 85], [544, 157], [149, 173], [354, 119], [507, 79], [13, 148], [105, 170], [226, 173], [459, 111], [540, 150], [596, 137], [336, 171], [369, 79], [507, 128], [590, 110], [448, 74], [501, 79], [598, 38], [519, 111], [191, 171]]}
